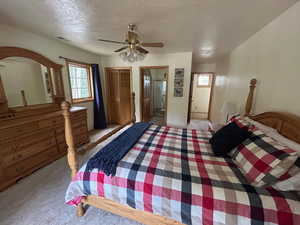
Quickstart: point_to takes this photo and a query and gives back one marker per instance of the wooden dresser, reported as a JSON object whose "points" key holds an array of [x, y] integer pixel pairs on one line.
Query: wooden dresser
{"points": [[29, 143]]}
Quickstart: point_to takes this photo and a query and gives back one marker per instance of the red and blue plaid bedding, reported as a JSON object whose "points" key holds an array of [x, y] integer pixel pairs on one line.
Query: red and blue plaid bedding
{"points": [[173, 172]]}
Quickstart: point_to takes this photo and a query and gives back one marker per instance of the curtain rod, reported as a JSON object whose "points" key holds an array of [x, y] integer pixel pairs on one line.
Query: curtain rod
{"points": [[73, 60]]}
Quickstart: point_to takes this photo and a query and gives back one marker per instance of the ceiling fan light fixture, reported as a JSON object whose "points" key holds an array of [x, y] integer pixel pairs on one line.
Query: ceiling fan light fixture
{"points": [[132, 55], [133, 50]]}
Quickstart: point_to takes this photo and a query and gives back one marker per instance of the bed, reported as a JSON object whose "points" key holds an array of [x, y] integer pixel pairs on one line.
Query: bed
{"points": [[171, 176]]}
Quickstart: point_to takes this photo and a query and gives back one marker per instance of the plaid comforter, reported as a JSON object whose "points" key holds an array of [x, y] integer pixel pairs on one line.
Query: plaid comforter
{"points": [[173, 172]]}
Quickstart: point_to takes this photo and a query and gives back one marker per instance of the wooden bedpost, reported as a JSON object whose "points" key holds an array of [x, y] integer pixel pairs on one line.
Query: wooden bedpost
{"points": [[72, 159], [250, 97], [133, 107]]}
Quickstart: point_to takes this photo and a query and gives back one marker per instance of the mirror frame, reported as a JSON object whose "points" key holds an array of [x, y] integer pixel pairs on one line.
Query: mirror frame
{"points": [[58, 97]]}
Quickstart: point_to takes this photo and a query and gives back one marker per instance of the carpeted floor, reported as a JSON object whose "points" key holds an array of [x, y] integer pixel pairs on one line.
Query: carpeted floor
{"points": [[199, 125], [39, 200]]}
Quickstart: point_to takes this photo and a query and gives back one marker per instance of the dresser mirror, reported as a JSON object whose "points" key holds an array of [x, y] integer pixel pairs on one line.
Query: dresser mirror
{"points": [[28, 80]]}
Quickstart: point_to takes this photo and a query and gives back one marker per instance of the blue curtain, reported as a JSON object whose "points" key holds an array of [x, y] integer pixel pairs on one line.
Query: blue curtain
{"points": [[99, 112]]}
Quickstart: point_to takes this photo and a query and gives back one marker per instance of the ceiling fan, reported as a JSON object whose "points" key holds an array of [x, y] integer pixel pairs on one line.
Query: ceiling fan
{"points": [[133, 49]]}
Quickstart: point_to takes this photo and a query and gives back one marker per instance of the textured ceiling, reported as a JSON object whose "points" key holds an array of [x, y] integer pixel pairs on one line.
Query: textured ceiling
{"points": [[209, 28]]}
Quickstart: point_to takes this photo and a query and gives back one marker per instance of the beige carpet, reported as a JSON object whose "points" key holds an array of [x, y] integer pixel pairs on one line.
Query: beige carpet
{"points": [[199, 125], [39, 200]]}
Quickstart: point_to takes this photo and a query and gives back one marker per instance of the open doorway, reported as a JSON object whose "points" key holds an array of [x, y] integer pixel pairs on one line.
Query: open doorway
{"points": [[200, 100], [154, 86]]}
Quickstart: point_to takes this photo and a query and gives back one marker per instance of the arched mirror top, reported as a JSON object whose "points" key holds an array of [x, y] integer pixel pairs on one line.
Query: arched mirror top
{"points": [[6, 52]]}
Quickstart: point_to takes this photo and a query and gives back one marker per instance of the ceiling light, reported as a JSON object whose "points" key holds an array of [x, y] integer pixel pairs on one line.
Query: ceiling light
{"points": [[206, 51], [132, 55]]}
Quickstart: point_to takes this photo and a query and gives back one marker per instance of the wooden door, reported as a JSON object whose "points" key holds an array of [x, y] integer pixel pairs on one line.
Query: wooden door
{"points": [[118, 96], [125, 97], [146, 95], [113, 98]]}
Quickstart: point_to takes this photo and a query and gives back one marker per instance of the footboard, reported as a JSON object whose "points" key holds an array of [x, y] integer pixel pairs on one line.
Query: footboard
{"points": [[69, 135]]}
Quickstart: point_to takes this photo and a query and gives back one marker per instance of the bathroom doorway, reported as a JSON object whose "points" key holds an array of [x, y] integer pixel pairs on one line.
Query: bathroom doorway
{"points": [[154, 86]]}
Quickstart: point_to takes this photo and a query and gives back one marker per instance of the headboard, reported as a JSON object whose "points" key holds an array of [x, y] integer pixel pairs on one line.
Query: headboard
{"points": [[286, 124]]}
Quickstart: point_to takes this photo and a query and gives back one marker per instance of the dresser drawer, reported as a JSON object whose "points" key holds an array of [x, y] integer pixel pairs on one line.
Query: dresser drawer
{"points": [[7, 134], [26, 128], [46, 123], [60, 138], [30, 139], [81, 139], [24, 153], [80, 130], [60, 130], [59, 125], [7, 148], [63, 147], [79, 114], [2, 178], [20, 168], [78, 123]]}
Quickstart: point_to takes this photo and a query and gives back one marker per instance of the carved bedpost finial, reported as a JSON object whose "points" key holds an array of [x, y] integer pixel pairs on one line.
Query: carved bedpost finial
{"points": [[133, 107], [66, 106], [250, 97]]}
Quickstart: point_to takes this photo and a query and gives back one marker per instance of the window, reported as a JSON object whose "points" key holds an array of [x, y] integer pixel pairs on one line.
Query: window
{"points": [[80, 82], [204, 80]]}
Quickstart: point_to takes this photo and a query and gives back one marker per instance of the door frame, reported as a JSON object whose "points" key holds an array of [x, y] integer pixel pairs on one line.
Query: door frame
{"points": [[142, 89], [210, 96], [106, 69]]}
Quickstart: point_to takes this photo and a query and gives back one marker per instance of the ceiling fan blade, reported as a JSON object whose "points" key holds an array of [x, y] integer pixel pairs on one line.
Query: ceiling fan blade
{"points": [[121, 49], [115, 42], [142, 50], [158, 44]]}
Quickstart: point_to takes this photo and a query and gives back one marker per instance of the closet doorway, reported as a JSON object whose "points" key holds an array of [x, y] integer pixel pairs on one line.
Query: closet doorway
{"points": [[118, 92], [153, 94]]}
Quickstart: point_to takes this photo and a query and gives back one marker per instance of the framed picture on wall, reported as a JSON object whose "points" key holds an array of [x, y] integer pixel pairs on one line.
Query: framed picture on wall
{"points": [[179, 73], [178, 83], [178, 92]]}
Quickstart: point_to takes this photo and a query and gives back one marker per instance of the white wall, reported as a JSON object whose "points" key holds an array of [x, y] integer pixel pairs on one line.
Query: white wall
{"points": [[272, 56], [204, 67], [219, 90], [177, 107], [52, 49]]}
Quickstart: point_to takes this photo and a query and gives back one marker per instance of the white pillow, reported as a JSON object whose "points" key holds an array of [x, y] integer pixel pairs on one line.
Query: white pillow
{"points": [[271, 132], [285, 141], [290, 184], [261, 126]]}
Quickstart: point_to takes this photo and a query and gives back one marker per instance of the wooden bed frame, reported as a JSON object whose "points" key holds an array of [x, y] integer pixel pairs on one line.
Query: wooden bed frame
{"points": [[286, 124]]}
